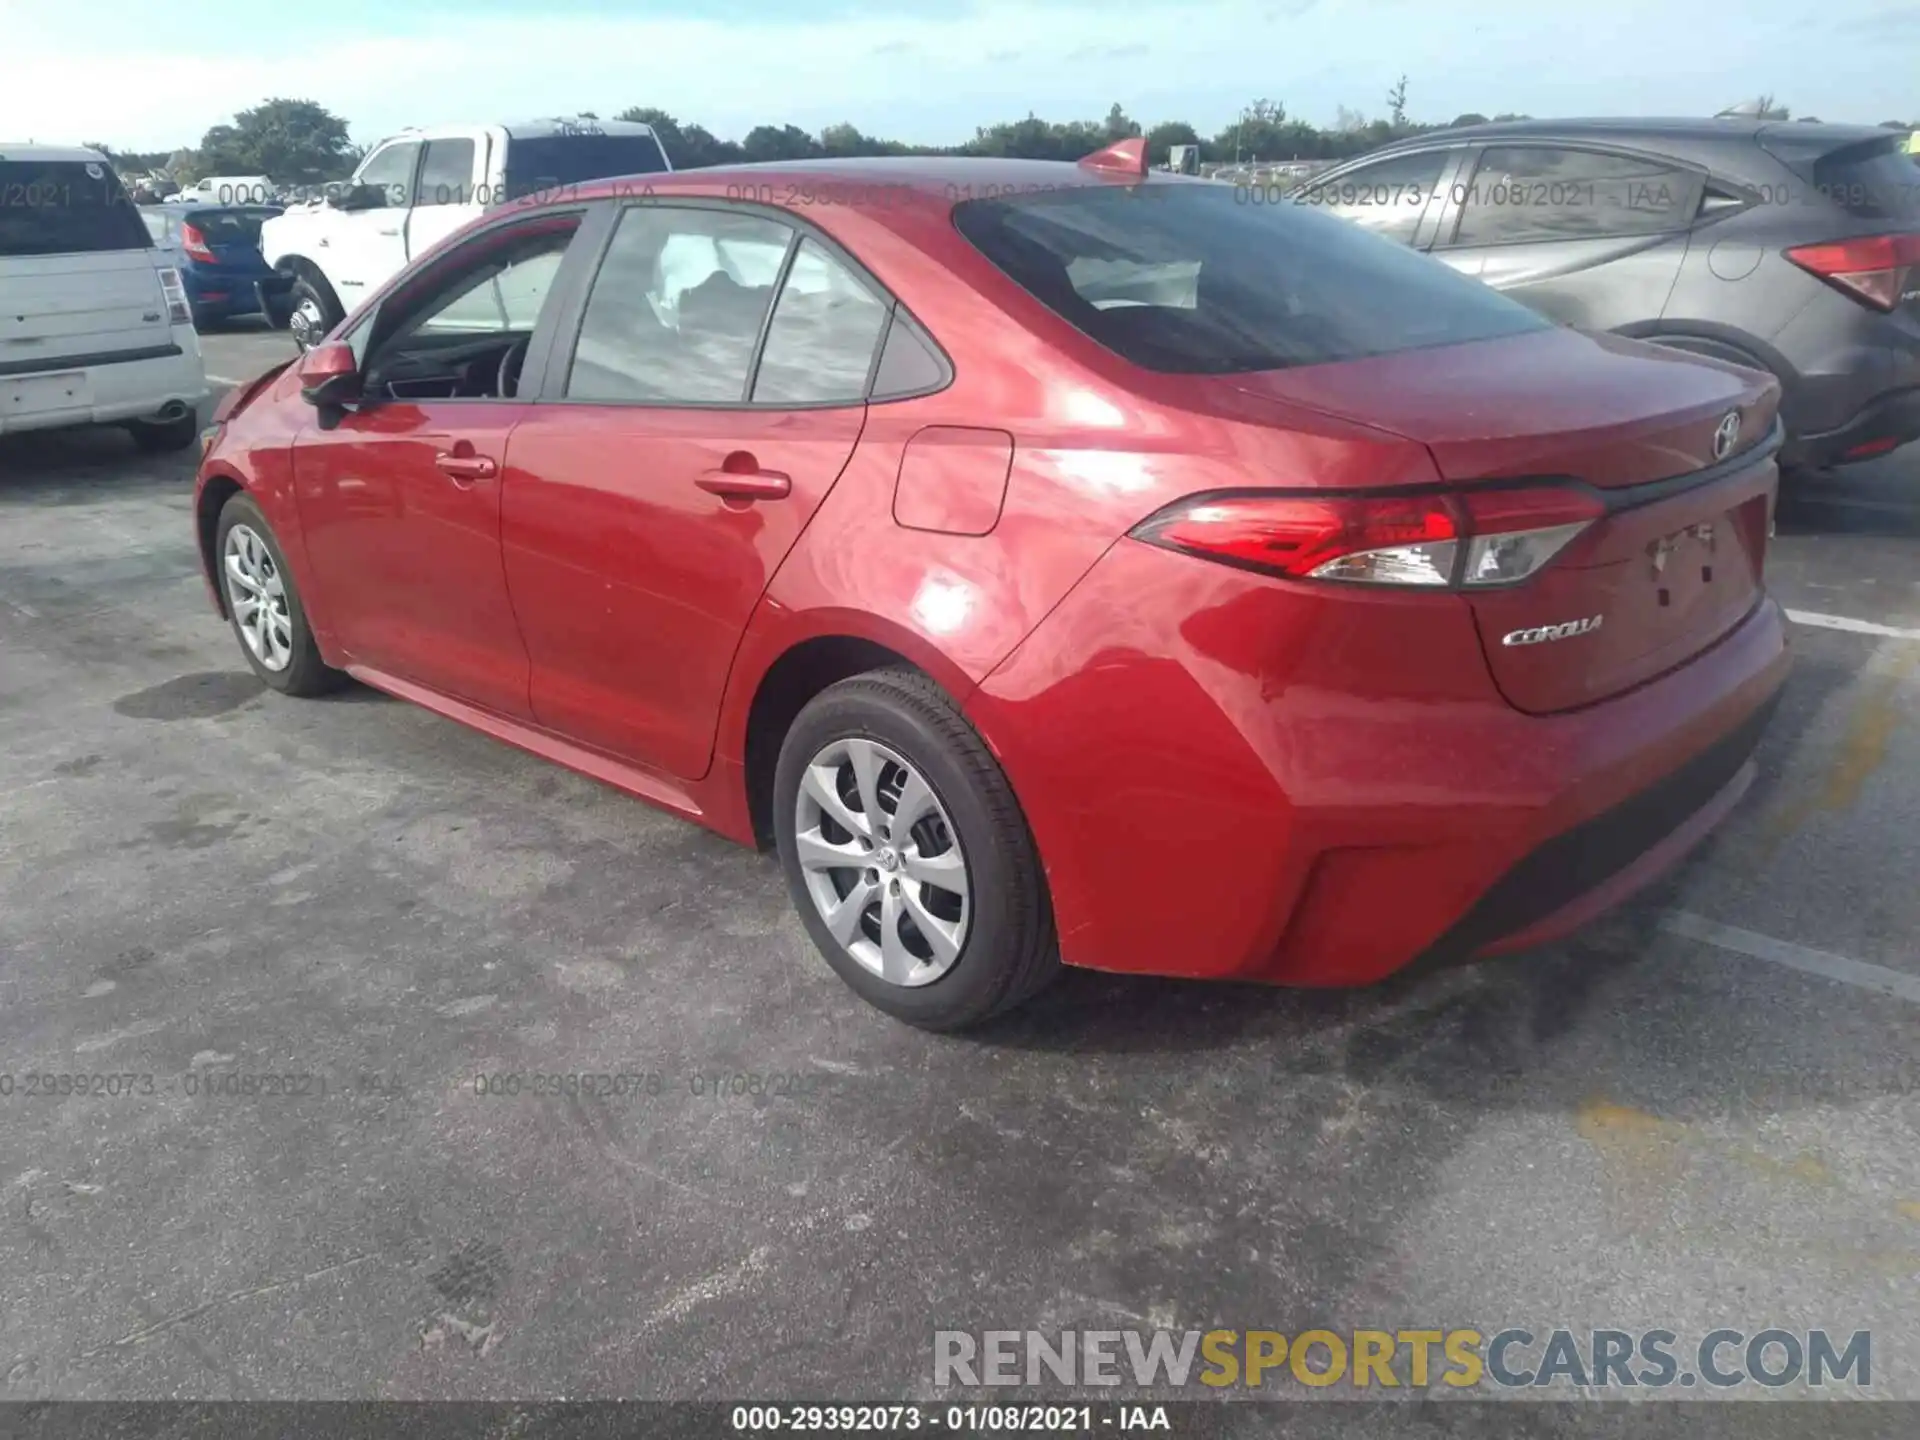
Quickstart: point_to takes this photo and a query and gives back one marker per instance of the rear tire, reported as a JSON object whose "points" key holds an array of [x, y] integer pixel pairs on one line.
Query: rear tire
{"points": [[264, 606], [988, 942], [312, 312], [167, 436]]}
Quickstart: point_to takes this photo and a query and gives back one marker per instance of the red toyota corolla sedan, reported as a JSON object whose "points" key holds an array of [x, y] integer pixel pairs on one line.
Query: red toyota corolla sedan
{"points": [[1053, 562]]}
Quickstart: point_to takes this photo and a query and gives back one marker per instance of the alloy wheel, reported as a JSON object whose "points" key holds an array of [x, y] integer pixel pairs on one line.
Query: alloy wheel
{"points": [[257, 595], [882, 862]]}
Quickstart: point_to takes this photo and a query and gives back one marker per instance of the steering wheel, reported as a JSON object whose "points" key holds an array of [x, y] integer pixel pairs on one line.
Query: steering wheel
{"points": [[507, 379]]}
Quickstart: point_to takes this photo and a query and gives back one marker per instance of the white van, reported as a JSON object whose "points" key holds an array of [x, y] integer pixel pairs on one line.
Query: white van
{"points": [[95, 328], [231, 190]]}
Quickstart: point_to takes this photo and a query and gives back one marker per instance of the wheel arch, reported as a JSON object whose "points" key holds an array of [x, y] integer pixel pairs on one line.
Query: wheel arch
{"points": [[215, 491], [780, 671]]}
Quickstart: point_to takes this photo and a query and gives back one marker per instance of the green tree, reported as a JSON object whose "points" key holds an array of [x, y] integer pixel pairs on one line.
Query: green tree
{"points": [[295, 141], [1472, 117], [782, 142], [1397, 104], [1119, 126]]}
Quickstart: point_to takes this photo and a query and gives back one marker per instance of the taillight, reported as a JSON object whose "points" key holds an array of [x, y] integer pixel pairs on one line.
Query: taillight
{"points": [[179, 312], [1873, 269], [195, 244], [1465, 538]]}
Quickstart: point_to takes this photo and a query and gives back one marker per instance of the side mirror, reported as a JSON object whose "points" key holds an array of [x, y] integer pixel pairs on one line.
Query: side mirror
{"points": [[329, 375], [360, 197]]}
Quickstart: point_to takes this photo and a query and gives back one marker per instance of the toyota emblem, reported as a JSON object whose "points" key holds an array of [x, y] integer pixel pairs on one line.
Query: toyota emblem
{"points": [[1726, 435]]}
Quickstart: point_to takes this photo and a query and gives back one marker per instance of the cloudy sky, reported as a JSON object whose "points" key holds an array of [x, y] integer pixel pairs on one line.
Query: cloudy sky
{"points": [[142, 75]]}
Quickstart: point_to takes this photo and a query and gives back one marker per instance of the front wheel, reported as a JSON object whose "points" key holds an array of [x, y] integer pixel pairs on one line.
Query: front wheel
{"points": [[907, 854], [263, 605], [312, 313]]}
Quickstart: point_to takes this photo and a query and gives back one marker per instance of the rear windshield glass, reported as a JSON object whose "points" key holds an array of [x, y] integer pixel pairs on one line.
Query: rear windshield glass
{"points": [[546, 162], [231, 227], [1875, 181], [1196, 278], [65, 207]]}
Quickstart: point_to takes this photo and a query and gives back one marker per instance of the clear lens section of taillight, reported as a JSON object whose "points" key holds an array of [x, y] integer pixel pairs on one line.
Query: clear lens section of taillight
{"points": [[175, 292], [1469, 539]]}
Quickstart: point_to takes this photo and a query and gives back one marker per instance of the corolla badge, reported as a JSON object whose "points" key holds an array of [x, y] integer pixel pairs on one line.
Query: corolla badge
{"points": [[1726, 435], [1541, 634]]}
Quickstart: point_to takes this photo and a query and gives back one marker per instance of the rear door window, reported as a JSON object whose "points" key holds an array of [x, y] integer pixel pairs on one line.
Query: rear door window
{"points": [[66, 207], [540, 163], [1186, 277], [675, 313], [1387, 197], [1522, 193], [825, 329]]}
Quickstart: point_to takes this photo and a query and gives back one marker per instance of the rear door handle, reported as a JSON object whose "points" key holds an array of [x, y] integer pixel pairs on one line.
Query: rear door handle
{"points": [[466, 467], [390, 232], [746, 484]]}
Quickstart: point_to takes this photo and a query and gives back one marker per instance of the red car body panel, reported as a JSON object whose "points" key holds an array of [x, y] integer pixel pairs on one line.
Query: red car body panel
{"points": [[1226, 773]]}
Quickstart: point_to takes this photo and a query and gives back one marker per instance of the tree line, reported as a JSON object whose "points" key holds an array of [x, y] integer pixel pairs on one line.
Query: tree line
{"points": [[299, 142]]}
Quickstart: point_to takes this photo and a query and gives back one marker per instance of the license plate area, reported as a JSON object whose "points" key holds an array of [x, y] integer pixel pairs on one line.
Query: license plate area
{"points": [[44, 394]]}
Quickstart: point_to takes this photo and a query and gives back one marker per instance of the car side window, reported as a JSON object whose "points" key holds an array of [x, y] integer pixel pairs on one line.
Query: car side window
{"points": [[825, 326], [675, 314], [446, 174], [391, 168], [1387, 197], [1540, 193]]}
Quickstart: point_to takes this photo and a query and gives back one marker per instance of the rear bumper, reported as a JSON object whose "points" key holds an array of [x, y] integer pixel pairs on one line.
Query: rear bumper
{"points": [[1882, 425], [1280, 786], [105, 393]]}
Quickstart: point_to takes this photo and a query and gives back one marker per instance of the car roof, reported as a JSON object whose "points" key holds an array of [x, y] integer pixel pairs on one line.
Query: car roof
{"points": [[21, 150], [1690, 128], [877, 183]]}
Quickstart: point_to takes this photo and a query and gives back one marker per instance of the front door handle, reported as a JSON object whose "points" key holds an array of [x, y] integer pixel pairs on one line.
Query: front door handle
{"points": [[466, 467], [390, 232], [741, 478]]}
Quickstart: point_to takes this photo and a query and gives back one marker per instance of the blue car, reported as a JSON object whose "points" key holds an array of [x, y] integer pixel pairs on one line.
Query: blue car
{"points": [[217, 249]]}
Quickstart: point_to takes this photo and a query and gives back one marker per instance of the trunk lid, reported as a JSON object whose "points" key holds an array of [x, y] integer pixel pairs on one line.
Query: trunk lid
{"points": [[1677, 559], [57, 309]]}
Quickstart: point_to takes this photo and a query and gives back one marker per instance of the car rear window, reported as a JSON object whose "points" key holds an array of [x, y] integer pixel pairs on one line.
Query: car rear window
{"points": [[1197, 278], [1877, 180], [65, 207], [546, 162], [231, 227]]}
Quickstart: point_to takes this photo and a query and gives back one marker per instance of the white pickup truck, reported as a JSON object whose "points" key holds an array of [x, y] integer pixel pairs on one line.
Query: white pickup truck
{"points": [[416, 188]]}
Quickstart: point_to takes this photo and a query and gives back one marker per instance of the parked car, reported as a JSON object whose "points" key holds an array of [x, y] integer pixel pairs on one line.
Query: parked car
{"points": [[217, 250], [230, 190], [1185, 587], [1789, 248], [417, 188], [95, 327]]}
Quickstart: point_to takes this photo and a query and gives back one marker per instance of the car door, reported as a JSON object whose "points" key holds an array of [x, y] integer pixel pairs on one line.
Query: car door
{"points": [[365, 248], [1588, 236], [1395, 197], [400, 495], [445, 195], [679, 450]]}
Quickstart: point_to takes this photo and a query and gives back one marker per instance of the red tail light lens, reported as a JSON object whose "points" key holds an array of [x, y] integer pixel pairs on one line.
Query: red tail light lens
{"points": [[195, 244], [1874, 269], [1465, 538]]}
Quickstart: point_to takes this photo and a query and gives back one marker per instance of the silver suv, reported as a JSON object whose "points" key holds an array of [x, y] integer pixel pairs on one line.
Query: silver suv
{"points": [[1787, 247]]}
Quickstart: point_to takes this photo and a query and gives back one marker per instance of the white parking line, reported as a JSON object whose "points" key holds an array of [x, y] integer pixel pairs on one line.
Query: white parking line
{"points": [[1856, 973], [225, 380], [1852, 626]]}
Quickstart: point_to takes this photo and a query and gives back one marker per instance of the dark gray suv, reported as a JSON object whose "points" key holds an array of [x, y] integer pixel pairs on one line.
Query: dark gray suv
{"points": [[1787, 247]]}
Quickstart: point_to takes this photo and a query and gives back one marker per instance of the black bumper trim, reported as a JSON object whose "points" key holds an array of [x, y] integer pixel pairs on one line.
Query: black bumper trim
{"points": [[1580, 860], [41, 365]]}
